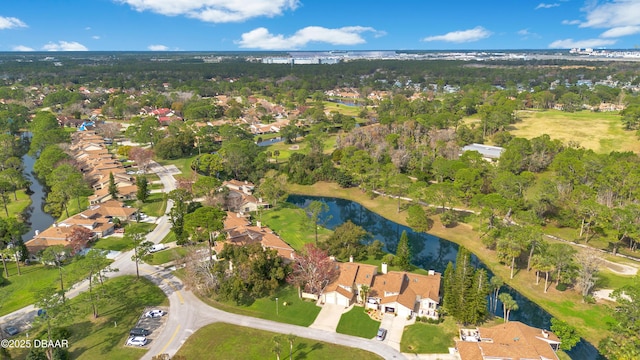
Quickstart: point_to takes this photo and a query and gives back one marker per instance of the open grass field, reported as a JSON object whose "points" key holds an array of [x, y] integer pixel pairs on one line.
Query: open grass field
{"points": [[342, 109], [290, 224], [589, 319], [286, 150], [600, 131], [20, 290], [16, 207], [357, 322], [439, 338], [95, 339], [231, 342]]}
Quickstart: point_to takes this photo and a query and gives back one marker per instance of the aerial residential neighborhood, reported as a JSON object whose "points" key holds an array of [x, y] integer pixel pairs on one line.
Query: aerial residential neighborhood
{"points": [[368, 207]]}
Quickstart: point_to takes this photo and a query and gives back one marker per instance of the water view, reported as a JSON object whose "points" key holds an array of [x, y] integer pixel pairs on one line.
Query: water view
{"points": [[430, 253]]}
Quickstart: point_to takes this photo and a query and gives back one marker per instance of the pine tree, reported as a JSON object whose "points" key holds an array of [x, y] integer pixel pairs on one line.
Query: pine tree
{"points": [[449, 300], [113, 188], [143, 188], [403, 253]]}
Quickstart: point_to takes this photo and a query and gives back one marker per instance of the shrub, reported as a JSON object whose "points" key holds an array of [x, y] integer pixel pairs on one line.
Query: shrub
{"points": [[561, 287]]}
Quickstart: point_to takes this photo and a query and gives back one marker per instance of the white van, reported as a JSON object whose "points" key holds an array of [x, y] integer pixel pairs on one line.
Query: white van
{"points": [[157, 247]]}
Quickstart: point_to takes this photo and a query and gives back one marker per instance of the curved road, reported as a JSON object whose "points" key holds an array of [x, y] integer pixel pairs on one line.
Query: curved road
{"points": [[187, 313]]}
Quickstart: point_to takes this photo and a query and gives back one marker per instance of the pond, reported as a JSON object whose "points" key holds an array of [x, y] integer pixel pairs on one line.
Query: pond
{"points": [[430, 253]]}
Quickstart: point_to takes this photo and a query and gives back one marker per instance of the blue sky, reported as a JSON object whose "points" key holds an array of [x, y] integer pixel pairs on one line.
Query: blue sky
{"points": [[231, 25]]}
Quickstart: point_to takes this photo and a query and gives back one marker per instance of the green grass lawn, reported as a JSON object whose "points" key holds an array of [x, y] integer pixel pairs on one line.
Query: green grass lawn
{"points": [[154, 206], [290, 224], [115, 243], [296, 312], [20, 290], [184, 164], [164, 256], [357, 322], [421, 338], [225, 341], [73, 208], [171, 237], [96, 339], [16, 207], [141, 225]]}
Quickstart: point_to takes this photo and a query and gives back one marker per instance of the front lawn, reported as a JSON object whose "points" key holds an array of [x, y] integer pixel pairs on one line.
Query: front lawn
{"points": [[154, 206], [105, 337], [421, 338], [115, 243], [291, 224], [357, 322], [230, 342]]}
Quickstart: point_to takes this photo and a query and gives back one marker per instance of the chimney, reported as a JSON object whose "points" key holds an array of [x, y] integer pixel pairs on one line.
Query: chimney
{"points": [[350, 258], [431, 272], [545, 334], [384, 268]]}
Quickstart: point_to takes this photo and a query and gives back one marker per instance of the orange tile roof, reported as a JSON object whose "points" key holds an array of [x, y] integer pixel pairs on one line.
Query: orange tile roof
{"points": [[513, 340]]}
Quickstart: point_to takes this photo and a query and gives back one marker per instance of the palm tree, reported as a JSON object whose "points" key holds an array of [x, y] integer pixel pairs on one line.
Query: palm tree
{"points": [[291, 338], [364, 291], [277, 346], [508, 304]]}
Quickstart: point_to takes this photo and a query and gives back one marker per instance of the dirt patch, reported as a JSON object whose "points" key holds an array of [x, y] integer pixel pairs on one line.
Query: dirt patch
{"points": [[621, 269]]}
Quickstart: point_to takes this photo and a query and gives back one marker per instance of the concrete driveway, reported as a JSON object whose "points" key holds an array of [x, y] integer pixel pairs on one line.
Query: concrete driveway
{"points": [[395, 327], [329, 317]]}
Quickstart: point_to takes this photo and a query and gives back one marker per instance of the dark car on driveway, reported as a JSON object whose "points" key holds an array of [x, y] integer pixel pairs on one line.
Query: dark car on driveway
{"points": [[139, 332]]}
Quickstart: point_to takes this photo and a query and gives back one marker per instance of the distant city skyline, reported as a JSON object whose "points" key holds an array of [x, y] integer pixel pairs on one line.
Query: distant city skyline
{"points": [[306, 25]]}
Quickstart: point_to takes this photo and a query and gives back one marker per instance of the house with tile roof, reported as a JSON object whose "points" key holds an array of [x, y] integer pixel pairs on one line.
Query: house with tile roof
{"points": [[512, 340], [347, 287], [240, 232], [397, 292]]}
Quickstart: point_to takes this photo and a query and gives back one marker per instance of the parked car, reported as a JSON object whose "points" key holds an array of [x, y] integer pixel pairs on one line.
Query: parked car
{"points": [[154, 313], [138, 332], [137, 341], [11, 330], [157, 247], [382, 333]]}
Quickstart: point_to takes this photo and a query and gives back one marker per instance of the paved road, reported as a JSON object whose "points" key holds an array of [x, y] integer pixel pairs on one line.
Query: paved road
{"points": [[187, 313]]}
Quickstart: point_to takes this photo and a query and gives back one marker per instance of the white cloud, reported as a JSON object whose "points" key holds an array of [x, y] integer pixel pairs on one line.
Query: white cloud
{"points": [[620, 31], [613, 14], [65, 46], [158, 47], [570, 22], [461, 36], [22, 48], [215, 11], [589, 43], [88, 28], [261, 38], [95, 37], [525, 33], [11, 23], [546, 6]]}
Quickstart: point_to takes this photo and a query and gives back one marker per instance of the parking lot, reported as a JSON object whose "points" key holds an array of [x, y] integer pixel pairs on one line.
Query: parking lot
{"points": [[154, 325]]}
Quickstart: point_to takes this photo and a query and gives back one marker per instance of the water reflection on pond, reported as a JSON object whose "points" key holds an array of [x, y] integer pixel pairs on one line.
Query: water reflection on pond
{"points": [[430, 252]]}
